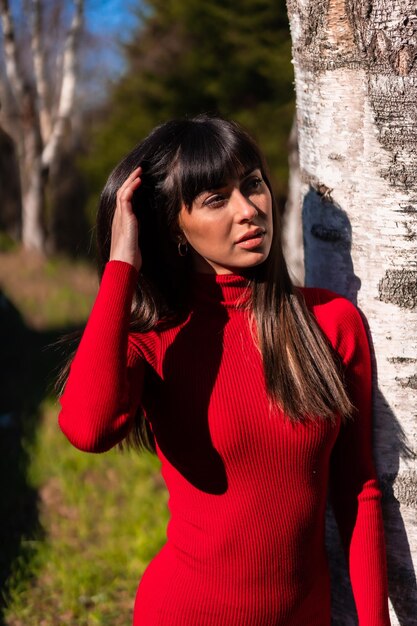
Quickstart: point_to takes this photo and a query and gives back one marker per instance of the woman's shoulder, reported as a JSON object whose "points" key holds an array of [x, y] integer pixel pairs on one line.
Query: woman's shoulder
{"points": [[324, 300], [337, 316]]}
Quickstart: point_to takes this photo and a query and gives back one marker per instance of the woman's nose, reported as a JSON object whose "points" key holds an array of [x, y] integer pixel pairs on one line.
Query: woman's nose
{"points": [[245, 209]]}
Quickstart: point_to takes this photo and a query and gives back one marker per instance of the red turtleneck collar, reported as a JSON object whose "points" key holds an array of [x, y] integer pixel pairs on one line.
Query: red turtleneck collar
{"points": [[227, 290]]}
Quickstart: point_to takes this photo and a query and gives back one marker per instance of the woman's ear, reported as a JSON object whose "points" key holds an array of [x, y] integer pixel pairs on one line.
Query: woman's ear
{"points": [[177, 232], [179, 221]]}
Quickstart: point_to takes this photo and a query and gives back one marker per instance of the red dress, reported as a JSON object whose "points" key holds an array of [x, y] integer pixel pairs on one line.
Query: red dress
{"points": [[248, 488]]}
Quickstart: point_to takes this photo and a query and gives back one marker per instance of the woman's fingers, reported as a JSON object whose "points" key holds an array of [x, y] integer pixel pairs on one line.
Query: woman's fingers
{"points": [[133, 176], [125, 192], [125, 226]]}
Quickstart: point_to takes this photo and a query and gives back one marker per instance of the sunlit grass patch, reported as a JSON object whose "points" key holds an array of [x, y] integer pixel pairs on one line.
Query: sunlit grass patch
{"points": [[49, 293], [103, 518], [80, 528]]}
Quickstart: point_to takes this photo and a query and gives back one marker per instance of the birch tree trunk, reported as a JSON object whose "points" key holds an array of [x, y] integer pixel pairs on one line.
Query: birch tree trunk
{"points": [[32, 176], [292, 231], [356, 86], [41, 124]]}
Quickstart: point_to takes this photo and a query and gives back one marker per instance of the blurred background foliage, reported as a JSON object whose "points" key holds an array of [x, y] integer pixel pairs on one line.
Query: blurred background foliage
{"points": [[188, 56], [140, 64]]}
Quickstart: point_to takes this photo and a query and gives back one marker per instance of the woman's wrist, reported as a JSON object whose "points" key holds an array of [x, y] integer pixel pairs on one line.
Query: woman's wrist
{"points": [[126, 258]]}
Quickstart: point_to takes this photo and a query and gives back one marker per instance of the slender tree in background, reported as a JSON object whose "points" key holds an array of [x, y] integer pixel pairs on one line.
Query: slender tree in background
{"points": [[41, 115], [356, 87]]}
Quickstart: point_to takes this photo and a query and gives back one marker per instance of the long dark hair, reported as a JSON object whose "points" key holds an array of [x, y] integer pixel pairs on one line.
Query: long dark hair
{"points": [[180, 159]]}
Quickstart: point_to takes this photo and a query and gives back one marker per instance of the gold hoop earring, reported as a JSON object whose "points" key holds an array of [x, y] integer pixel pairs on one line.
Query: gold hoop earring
{"points": [[182, 248]]}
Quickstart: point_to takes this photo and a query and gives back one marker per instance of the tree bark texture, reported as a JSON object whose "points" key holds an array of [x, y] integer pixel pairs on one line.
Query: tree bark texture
{"points": [[355, 67], [39, 125], [292, 231]]}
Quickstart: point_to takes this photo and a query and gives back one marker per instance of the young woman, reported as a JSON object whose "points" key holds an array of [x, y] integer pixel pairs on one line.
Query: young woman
{"points": [[256, 395]]}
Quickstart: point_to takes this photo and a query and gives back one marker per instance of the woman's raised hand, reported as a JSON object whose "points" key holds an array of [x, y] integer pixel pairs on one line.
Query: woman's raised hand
{"points": [[125, 226]]}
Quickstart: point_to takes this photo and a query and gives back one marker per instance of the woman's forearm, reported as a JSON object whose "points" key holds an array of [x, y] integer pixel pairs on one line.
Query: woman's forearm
{"points": [[104, 385]]}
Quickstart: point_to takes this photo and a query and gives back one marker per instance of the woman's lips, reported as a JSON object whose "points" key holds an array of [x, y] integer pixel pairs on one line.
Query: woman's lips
{"points": [[251, 241]]}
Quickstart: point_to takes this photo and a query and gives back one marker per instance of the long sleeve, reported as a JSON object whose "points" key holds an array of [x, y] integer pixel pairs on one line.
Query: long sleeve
{"points": [[104, 386], [354, 490]]}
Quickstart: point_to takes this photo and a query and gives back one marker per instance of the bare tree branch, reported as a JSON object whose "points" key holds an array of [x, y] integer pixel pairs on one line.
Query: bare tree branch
{"points": [[40, 72], [12, 67], [66, 100]]}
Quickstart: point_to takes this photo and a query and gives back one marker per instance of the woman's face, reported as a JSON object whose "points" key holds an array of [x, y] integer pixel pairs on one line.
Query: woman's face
{"points": [[230, 228]]}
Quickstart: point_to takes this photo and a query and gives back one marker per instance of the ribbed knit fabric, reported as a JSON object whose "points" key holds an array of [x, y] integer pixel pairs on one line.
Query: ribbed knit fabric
{"points": [[245, 541]]}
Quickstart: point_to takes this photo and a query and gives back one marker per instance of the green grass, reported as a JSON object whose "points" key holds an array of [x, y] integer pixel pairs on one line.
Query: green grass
{"points": [[60, 307], [77, 530], [103, 518], [6, 242], [48, 293]]}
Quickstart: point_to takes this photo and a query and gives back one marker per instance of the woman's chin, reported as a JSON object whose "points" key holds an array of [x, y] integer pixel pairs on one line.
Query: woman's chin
{"points": [[242, 265], [235, 264]]}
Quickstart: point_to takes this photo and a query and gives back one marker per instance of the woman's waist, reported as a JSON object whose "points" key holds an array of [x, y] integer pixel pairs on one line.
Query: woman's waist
{"points": [[263, 544], [224, 591]]}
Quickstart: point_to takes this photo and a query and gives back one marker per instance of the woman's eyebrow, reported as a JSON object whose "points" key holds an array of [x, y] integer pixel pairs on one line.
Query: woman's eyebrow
{"points": [[222, 185], [250, 171], [225, 184]]}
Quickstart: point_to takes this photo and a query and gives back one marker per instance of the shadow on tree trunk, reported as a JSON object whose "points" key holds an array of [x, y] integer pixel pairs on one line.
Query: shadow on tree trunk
{"points": [[328, 237], [26, 365]]}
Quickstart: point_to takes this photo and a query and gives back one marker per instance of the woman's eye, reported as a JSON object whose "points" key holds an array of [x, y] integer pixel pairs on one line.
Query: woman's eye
{"points": [[255, 183], [215, 201]]}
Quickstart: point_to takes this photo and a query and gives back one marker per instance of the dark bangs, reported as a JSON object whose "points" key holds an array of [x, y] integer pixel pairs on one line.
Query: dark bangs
{"points": [[211, 153]]}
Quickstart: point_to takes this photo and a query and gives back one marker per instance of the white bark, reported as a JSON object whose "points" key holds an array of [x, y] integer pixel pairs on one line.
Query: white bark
{"points": [[32, 176], [10, 51], [32, 218], [292, 231], [40, 72], [356, 82], [69, 77]]}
